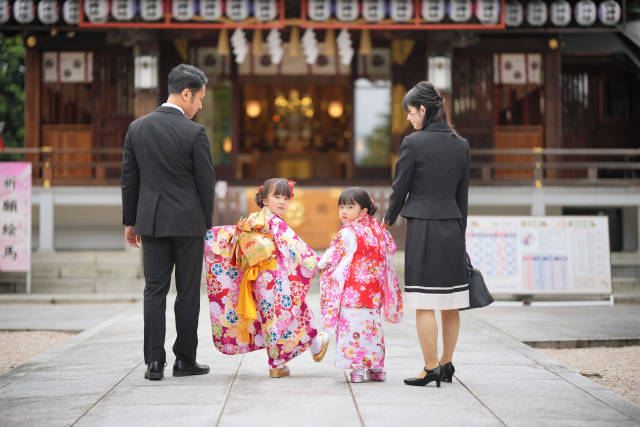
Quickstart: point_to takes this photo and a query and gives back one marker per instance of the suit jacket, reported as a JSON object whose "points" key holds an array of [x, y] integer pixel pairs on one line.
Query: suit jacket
{"points": [[433, 170], [167, 176]]}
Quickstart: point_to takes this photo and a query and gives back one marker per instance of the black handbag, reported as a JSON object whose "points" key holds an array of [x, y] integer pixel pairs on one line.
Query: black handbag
{"points": [[479, 295]]}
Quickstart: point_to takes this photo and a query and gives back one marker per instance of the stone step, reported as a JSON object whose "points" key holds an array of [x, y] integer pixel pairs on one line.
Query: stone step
{"points": [[89, 270], [128, 256], [625, 284], [627, 298], [83, 286]]}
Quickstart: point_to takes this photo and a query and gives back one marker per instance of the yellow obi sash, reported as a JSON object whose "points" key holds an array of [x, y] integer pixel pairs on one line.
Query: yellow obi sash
{"points": [[253, 250]]}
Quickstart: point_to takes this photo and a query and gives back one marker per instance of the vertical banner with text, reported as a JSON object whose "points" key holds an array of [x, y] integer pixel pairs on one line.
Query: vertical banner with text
{"points": [[15, 216]]}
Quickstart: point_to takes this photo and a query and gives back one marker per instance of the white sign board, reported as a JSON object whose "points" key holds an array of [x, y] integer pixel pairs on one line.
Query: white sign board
{"points": [[541, 255], [15, 216]]}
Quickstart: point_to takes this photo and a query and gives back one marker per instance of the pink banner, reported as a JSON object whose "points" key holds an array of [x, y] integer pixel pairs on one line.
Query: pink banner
{"points": [[15, 216]]}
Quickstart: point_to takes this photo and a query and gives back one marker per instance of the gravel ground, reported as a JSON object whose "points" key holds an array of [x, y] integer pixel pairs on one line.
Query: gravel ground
{"points": [[18, 347], [617, 368]]}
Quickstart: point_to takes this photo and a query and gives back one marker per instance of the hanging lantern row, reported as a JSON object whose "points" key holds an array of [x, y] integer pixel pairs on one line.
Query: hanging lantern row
{"points": [[234, 13], [560, 13], [535, 13], [461, 13]]}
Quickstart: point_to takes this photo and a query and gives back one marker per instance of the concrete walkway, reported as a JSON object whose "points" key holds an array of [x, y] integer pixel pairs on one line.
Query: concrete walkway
{"points": [[96, 379]]}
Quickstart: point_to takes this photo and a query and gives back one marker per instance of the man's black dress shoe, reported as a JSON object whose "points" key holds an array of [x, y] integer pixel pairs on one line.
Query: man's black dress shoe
{"points": [[155, 371], [184, 369]]}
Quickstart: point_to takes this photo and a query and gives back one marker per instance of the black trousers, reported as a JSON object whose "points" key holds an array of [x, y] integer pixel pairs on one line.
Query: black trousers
{"points": [[160, 254]]}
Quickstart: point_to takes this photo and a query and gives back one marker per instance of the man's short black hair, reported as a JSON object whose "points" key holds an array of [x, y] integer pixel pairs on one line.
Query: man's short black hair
{"points": [[185, 76]]}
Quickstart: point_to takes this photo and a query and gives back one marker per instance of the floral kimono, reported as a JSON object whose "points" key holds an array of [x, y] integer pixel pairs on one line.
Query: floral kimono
{"points": [[358, 284], [258, 276]]}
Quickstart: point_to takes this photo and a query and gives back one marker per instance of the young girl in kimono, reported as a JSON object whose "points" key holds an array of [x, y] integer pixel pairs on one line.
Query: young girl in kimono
{"points": [[358, 281], [259, 273]]}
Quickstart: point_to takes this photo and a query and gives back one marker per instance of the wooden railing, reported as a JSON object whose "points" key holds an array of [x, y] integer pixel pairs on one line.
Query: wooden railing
{"points": [[537, 166]]}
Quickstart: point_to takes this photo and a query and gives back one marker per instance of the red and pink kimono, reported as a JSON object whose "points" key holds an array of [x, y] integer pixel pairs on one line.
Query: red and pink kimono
{"points": [[359, 286], [282, 266]]}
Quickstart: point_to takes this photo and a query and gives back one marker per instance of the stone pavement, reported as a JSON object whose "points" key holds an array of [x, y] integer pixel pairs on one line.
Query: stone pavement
{"points": [[96, 379]]}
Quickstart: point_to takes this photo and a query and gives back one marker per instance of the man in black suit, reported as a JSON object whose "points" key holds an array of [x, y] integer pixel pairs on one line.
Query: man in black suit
{"points": [[167, 200]]}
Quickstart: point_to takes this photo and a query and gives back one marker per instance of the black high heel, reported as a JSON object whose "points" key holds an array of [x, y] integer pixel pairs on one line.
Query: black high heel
{"points": [[432, 375], [447, 372]]}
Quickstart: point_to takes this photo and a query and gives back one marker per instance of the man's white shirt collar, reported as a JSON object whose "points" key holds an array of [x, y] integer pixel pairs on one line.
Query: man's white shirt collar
{"points": [[168, 104]]}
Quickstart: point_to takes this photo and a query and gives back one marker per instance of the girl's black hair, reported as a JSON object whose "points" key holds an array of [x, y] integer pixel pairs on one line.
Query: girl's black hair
{"points": [[424, 93], [360, 196], [279, 186]]}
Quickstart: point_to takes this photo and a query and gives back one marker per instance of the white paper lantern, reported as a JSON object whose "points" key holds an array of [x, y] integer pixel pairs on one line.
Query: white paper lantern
{"points": [[5, 11], [401, 10], [433, 10], [211, 10], [460, 10], [151, 10], [145, 72], [48, 11], [585, 11], [319, 10], [560, 13], [237, 10], [373, 10], [536, 13], [265, 10], [123, 10], [24, 11], [488, 11], [610, 12], [347, 10], [96, 10], [183, 10], [71, 12], [513, 13]]}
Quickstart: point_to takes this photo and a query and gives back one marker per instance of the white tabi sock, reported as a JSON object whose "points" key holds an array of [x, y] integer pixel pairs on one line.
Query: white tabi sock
{"points": [[316, 344]]}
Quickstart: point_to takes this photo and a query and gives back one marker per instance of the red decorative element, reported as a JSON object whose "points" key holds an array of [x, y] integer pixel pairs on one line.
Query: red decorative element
{"points": [[291, 184], [260, 189]]}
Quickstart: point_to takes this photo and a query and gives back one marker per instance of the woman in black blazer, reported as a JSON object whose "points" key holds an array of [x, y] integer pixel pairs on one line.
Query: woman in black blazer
{"points": [[433, 171]]}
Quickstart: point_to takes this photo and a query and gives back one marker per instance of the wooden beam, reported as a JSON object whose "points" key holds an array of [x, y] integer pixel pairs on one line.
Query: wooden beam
{"points": [[552, 104], [32, 106]]}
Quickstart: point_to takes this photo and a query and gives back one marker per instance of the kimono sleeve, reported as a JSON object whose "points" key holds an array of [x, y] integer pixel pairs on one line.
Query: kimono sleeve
{"points": [[335, 265], [392, 306]]}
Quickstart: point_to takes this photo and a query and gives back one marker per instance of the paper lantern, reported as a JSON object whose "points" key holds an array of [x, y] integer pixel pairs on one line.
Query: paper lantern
{"points": [[237, 10], [319, 10], [585, 12], [460, 10], [433, 10], [488, 11], [536, 13], [210, 10], [265, 10], [96, 10], [439, 72], [24, 11], [373, 10], [145, 75], [513, 13], [183, 10], [48, 12], [560, 13], [346, 10], [610, 12], [151, 10], [71, 12], [401, 10], [5, 11], [123, 10]]}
